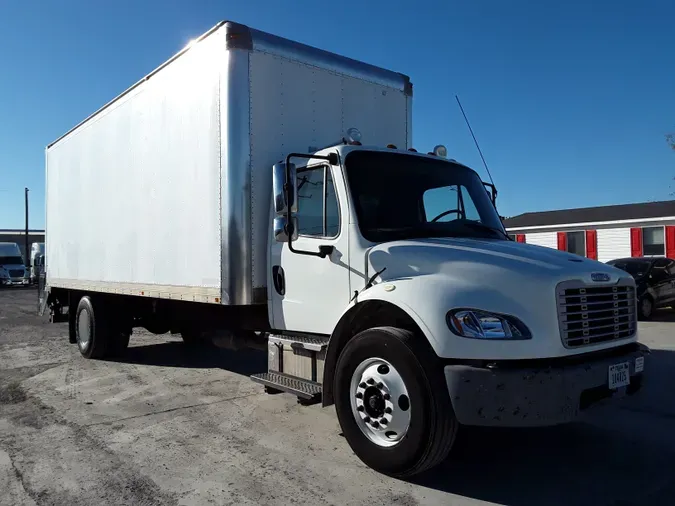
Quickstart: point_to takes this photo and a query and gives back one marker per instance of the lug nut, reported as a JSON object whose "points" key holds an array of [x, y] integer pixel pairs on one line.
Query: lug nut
{"points": [[387, 397], [387, 410], [380, 385], [362, 385], [359, 395], [366, 419], [375, 424], [359, 408], [383, 421], [370, 381]]}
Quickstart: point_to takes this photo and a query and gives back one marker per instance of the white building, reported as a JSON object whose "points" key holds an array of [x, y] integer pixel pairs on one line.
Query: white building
{"points": [[601, 233]]}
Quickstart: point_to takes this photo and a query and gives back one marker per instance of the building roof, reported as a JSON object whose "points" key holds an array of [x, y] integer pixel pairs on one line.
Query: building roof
{"points": [[644, 210], [21, 231]]}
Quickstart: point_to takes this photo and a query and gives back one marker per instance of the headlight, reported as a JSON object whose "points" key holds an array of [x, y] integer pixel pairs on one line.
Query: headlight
{"points": [[477, 324]]}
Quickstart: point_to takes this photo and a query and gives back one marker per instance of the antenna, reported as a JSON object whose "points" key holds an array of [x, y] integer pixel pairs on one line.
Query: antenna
{"points": [[474, 140]]}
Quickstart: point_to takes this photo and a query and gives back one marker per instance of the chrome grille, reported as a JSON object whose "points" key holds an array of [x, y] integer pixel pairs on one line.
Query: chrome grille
{"points": [[595, 314]]}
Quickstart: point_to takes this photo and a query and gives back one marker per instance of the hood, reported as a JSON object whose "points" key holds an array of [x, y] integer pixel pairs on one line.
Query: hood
{"points": [[483, 257]]}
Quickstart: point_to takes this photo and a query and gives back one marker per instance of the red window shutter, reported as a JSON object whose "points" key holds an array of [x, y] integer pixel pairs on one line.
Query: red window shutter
{"points": [[521, 237], [592, 244], [562, 241], [636, 242], [670, 241]]}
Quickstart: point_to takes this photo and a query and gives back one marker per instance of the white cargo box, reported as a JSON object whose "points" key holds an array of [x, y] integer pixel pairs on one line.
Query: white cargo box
{"points": [[166, 190]]}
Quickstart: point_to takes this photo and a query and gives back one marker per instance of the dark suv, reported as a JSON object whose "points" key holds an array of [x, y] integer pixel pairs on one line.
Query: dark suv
{"points": [[655, 280]]}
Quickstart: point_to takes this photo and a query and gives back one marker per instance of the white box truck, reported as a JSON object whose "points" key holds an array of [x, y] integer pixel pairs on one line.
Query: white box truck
{"points": [[12, 267], [267, 193], [37, 252]]}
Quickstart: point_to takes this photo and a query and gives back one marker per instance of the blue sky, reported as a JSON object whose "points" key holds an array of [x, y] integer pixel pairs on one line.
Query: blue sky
{"points": [[570, 101]]}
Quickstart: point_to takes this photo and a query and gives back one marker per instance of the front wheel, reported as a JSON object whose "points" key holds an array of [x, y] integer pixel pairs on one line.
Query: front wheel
{"points": [[645, 307], [392, 418]]}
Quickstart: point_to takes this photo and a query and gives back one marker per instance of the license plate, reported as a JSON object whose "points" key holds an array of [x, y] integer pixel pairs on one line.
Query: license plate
{"points": [[619, 375]]}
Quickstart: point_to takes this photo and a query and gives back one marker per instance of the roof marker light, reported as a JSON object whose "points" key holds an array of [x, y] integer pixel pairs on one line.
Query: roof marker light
{"points": [[353, 136], [392, 146], [441, 151], [412, 149]]}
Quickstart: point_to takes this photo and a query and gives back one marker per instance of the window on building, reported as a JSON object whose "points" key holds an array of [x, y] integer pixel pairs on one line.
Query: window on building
{"points": [[653, 241], [315, 185], [576, 243]]}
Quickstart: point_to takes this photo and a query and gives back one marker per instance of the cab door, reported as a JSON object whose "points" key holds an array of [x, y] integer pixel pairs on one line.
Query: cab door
{"points": [[309, 293]]}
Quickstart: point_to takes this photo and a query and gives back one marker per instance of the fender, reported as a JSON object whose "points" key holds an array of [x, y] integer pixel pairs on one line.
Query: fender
{"points": [[379, 301]]}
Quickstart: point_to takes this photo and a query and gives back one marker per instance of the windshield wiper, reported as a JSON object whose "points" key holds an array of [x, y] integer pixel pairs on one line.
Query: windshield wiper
{"points": [[482, 226]]}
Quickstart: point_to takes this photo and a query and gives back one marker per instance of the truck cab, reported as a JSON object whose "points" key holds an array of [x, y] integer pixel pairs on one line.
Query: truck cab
{"points": [[396, 254], [12, 267]]}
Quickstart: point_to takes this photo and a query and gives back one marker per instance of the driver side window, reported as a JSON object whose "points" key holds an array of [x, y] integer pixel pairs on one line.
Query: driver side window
{"points": [[453, 200]]}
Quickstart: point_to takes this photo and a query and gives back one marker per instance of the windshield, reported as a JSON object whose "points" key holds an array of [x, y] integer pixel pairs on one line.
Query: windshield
{"points": [[400, 196], [13, 260], [636, 268]]}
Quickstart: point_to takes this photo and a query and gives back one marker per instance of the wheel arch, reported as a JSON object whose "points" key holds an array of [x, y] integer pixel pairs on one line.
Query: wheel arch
{"points": [[369, 313]]}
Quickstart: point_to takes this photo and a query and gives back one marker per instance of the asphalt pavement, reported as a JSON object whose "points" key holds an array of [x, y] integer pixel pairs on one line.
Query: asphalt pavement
{"points": [[170, 425]]}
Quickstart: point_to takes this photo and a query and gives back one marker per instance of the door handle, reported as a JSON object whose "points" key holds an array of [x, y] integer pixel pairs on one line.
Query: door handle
{"points": [[279, 279]]}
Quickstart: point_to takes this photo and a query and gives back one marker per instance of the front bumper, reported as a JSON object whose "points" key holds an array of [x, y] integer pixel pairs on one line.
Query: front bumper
{"points": [[14, 281], [538, 393]]}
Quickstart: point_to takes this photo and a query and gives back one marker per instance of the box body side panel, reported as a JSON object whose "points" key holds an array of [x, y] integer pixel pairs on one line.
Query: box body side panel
{"points": [[133, 194]]}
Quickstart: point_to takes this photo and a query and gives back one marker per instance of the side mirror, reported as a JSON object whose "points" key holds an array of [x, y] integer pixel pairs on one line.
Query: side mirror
{"points": [[492, 192], [282, 229], [285, 196]]}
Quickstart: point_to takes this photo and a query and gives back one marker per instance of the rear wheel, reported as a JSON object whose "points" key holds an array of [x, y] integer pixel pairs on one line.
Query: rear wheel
{"points": [[392, 418], [192, 337], [97, 336]]}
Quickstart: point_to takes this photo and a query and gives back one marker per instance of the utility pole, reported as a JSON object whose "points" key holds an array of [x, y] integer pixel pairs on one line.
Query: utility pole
{"points": [[27, 258]]}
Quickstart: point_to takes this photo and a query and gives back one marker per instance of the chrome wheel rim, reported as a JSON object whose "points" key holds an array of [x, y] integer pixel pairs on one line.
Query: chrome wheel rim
{"points": [[380, 402], [83, 329]]}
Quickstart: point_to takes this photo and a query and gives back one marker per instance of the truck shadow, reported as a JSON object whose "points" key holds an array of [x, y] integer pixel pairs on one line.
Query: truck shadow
{"points": [[619, 456], [176, 354]]}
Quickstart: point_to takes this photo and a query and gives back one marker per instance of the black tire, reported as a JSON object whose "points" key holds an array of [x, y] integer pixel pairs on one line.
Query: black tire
{"points": [[645, 308], [119, 343], [433, 425], [97, 337], [91, 338], [192, 337]]}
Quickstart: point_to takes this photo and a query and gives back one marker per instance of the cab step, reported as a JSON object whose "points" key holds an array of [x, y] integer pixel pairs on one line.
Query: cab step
{"points": [[307, 391]]}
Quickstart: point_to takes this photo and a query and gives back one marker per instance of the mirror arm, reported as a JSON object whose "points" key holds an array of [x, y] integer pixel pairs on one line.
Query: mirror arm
{"points": [[324, 250]]}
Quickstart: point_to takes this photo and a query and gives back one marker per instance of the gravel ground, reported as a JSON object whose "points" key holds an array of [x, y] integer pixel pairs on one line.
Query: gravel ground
{"points": [[167, 425]]}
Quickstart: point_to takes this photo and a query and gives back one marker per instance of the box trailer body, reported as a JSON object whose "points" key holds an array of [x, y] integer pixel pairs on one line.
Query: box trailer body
{"points": [[228, 196], [166, 191]]}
